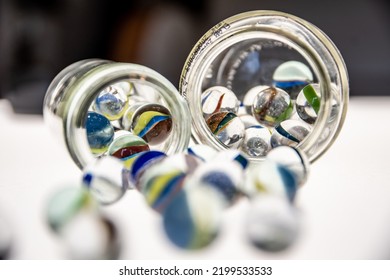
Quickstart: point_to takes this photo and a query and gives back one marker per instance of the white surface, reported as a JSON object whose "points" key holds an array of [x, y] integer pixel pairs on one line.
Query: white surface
{"points": [[345, 203]]}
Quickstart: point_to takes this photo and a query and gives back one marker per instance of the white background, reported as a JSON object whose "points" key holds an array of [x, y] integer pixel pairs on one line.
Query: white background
{"points": [[344, 205]]}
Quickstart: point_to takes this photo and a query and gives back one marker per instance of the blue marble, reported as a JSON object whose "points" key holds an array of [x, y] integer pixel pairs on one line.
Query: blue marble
{"points": [[192, 220], [160, 185], [111, 102], [144, 160], [225, 176], [100, 133]]}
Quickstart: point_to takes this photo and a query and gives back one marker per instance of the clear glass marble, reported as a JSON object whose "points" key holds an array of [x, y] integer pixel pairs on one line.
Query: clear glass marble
{"points": [[308, 103], [106, 179], [250, 96], [274, 49], [257, 141], [111, 102], [290, 133], [219, 99], [227, 128], [271, 106]]}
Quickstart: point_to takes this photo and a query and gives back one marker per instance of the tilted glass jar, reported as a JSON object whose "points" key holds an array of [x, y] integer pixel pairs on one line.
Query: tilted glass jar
{"points": [[74, 89], [219, 57]]}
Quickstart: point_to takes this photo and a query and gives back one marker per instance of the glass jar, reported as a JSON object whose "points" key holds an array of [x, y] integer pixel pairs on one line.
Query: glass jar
{"points": [[73, 91], [245, 50]]}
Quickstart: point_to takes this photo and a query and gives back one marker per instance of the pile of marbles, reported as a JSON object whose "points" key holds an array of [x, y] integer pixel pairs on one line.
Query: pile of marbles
{"points": [[190, 190], [268, 116], [127, 114]]}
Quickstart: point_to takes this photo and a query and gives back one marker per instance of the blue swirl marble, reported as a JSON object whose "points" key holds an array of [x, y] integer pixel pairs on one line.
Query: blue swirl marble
{"points": [[100, 132], [144, 160]]}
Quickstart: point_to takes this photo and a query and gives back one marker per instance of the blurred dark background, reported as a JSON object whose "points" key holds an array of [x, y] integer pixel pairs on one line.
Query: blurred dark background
{"points": [[39, 38]]}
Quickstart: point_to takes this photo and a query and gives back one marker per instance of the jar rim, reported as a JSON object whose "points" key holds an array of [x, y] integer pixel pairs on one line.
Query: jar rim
{"points": [[83, 92], [311, 42]]}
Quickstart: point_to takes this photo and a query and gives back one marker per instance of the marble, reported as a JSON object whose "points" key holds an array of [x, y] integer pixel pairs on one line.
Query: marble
{"points": [[308, 103], [250, 96], [126, 87], [192, 220], [144, 161], [146, 93], [292, 158], [89, 237], [66, 204], [161, 184], [127, 147], [227, 128], [272, 224], [111, 102], [271, 106], [127, 119], [271, 178], [100, 133], [289, 133], [152, 122], [292, 76], [218, 99], [225, 176], [257, 141], [106, 179]]}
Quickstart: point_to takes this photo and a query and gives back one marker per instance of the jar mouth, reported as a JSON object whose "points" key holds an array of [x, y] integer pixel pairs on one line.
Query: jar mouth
{"points": [[84, 92], [245, 51]]}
